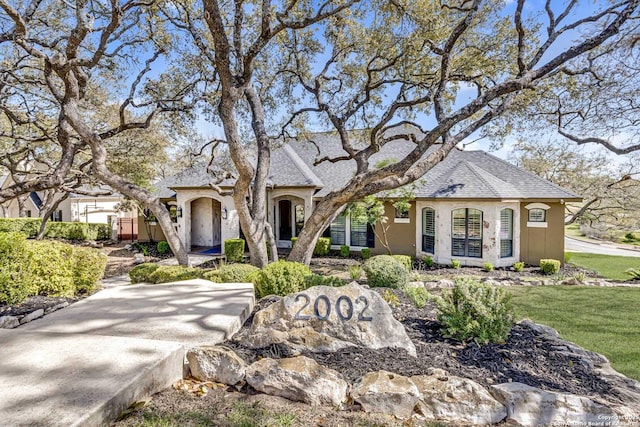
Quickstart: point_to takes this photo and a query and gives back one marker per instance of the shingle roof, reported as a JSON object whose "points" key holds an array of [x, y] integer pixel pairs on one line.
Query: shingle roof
{"points": [[461, 175]]}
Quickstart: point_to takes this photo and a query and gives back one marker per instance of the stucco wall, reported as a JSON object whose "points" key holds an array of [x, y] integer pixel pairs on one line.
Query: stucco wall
{"points": [[302, 196], [400, 235], [490, 232], [543, 240]]}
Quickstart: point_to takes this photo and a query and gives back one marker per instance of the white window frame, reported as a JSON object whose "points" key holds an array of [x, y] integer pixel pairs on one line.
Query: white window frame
{"points": [[533, 207]]}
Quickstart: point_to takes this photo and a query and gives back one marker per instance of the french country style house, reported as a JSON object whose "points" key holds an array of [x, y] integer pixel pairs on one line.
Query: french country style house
{"points": [[472, 207]]}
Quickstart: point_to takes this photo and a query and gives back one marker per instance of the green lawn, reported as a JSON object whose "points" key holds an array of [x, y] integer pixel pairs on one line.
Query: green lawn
{"points": [[605, 320], [607, 266]]}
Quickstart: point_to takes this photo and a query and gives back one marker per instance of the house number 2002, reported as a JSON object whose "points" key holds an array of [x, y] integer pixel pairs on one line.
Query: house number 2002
{"points": [[322, 308]]}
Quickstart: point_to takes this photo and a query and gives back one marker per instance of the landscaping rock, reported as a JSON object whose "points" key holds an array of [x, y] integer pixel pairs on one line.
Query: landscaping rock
{"points": [[386, 393], [298, 378], [446, 283], [453, 399], [56, 307], [138, 258], [216, 363], [532, 407], [9, 322], [32, 316], [326, 319]]}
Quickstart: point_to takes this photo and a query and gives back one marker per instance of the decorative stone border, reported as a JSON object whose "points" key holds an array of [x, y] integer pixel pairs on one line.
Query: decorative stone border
{"points": [[11, 322]]}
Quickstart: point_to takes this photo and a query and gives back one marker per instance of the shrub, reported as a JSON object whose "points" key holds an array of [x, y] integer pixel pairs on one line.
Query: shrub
{"points": [[418, 295], [405, 260], [345, 251], [213, 275], [355, 271], [280, 278], [385, 271], [27, 226], [518, 267], [318, 280], [141, 273], [487, 266], [365, 253], [15, 268], [52, 268], [391, 298], [427, 261], [163, 248], [322, 246], [88, 268], [549, 266], [293, 241], [471, 310], [455, 263], [175, 273], [236, 273], [234, 250]]}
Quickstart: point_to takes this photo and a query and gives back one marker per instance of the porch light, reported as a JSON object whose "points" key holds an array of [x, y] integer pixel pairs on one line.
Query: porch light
{"points": [[225, 213], [179, 212]]}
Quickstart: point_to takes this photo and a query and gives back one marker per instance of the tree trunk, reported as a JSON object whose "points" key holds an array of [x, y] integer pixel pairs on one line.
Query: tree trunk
{"points": [[47, 209], [22, 205]]}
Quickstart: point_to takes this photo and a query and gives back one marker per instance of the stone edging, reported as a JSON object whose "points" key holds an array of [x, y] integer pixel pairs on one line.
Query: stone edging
{"points": [[11, 322]]}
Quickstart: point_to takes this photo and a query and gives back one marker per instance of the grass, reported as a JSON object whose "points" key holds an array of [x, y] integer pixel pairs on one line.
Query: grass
{"points": [[608, 266], [604, 320]]}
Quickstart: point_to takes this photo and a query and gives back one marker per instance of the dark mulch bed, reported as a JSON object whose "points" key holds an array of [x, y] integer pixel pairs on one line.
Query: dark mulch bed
{"points": [[32, 304], [527, 357]]}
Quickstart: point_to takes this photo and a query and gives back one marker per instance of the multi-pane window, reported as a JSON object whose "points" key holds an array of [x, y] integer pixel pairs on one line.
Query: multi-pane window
{"points": [[338, 229], [428, 230], [506, 233], [466, 233], [537, 215], [358, 233], [56, 216]]}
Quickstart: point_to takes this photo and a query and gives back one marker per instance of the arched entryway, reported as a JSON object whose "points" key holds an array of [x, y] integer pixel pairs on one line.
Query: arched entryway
{"points": [[290, 217], [206, 223]]}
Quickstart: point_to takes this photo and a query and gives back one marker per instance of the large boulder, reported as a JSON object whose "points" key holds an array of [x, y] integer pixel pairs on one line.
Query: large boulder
{"points": [[453, 399], [298, 378], [327, 319], [386, 393], [532, 407], [216, 363]]}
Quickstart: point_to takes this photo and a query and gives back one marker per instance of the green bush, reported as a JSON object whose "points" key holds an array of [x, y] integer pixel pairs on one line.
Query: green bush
{"points": [[236, 273], [365, 253], [175, 273], [355, 271], [52, 268], [345, 251], [234, 250], [487, 266], [27, 226], [15, 268], [390, 298], [471, 310], [293, 241], [212, 275], [322, 246], [405, 260], [77, 231], [88, 268], [518, 267], [163, 247], [455, 263], [141, 273], [549, 266], [418, 295], [319, 280], [427, 261], [280, 278], [385, 271]]}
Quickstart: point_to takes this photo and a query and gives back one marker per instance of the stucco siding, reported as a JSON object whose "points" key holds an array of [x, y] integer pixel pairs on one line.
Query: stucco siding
{"points": [[543, 240], [400, 235]]}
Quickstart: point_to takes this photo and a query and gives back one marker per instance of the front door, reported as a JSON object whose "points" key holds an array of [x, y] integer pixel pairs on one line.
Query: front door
{"points": [[285, 230]]}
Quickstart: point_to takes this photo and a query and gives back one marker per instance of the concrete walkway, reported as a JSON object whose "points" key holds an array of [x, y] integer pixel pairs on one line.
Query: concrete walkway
{"points": [[84, 365]]}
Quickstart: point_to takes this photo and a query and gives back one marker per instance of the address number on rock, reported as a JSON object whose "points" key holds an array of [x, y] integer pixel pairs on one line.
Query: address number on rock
{"points": [[344, 308]]}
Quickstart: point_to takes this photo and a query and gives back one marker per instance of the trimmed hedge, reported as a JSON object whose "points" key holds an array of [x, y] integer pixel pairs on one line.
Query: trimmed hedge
{"points": [[345, 251], [51, 268], [549, 266], [234, 250], [175, 273], [56, 230], [365, 253], [163, 247], [280, 278], [323, 245], [141, 273], [236, 273], [385, 271], [319, 280], [15, 268]]}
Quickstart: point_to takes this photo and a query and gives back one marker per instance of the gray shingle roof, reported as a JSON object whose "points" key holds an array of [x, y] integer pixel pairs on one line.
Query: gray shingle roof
{"points": [[461, 175]]}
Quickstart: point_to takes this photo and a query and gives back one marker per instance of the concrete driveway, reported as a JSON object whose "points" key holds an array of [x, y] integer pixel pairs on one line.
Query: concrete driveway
{"points": [[575, 245]]}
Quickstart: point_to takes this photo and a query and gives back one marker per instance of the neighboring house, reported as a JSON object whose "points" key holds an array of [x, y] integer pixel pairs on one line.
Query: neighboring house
{"points": [[76, 208], [472, 207]]}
